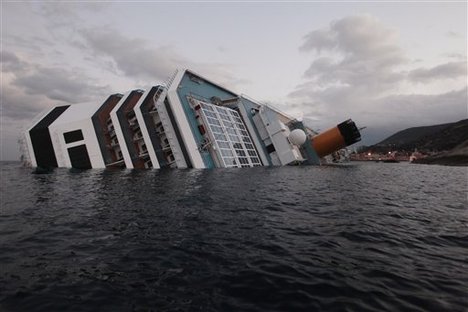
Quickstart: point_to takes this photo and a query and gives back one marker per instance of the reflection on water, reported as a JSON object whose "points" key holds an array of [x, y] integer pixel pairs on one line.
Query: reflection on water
{"points": [[362, 237]]}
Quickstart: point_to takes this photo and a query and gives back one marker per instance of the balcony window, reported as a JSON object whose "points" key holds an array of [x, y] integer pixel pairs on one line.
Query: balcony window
{"points": [[231, 140]]}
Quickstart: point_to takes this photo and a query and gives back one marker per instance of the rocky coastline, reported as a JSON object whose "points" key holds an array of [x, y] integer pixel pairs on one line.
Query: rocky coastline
{"points": [[444, 144], [458, 156]]}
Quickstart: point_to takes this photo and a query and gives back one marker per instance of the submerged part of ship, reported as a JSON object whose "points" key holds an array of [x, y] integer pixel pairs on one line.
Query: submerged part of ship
{"points": [[188, 122]]}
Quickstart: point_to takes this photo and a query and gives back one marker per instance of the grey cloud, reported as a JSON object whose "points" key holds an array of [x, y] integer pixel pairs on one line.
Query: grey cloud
{"points": [[17, 111], [453, 34], [365, 36], [458, 56], [27, 42], [119, 54], [18, 106], [66, 85], [358, 36], [366, 52], [8, 57], [31, 94], [318, 40], [387, 115], [451, 70], [9, 149], [59, 14], [357, 69], [11, 63], [133, 56], [354, 72], [67, 10], [60, 84], [410, 110], [323, 68]]}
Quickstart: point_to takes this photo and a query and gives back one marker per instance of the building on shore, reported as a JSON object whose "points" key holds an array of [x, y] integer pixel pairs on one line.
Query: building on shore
{"points": [[188, 122]]}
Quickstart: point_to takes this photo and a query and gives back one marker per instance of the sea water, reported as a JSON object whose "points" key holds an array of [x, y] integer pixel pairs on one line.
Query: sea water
{"points": [[360, 237]]}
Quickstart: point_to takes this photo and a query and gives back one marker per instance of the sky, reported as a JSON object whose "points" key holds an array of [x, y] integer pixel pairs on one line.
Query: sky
{"points": [[387, 65]]}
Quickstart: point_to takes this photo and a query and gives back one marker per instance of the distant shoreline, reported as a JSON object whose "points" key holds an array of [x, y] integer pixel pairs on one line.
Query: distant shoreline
{"points": [[449, 160]]}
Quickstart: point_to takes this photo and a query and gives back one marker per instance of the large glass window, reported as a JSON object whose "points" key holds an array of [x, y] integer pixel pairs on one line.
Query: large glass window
{"points": [[231, 140]]}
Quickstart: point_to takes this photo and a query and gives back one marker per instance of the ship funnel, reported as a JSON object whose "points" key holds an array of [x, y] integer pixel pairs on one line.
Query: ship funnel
{"points": [[344, 134]]}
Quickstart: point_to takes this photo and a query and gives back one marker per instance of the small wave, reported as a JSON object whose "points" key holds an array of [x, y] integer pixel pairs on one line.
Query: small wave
{"points": [[366, 238]]}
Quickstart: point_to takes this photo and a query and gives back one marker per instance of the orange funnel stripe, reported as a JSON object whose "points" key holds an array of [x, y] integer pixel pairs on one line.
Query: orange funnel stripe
{"points": [[328, 142], [334, 139]]}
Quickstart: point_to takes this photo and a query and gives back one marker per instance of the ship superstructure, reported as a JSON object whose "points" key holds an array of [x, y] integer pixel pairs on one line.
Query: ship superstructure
{"points": [[188, 122]]}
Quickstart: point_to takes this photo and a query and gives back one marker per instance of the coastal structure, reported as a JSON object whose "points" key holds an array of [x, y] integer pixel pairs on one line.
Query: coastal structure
{"points": [[188, 122]]}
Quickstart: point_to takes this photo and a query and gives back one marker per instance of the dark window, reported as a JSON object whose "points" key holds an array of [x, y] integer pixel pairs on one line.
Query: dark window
{"points": [[270, 148], [79, 157], [73, 136]]}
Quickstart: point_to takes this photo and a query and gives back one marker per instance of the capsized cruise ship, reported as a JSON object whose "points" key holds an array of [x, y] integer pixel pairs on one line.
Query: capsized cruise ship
{"points": [[187, 122]]}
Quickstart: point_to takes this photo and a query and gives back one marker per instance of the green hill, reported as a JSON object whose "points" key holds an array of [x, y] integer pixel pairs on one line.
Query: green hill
{"points": [[429, 138]]}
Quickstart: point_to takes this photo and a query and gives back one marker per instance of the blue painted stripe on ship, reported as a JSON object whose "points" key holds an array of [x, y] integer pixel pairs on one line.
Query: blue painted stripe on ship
{"points": [[200, 89], [248, 105], [312, 157]]}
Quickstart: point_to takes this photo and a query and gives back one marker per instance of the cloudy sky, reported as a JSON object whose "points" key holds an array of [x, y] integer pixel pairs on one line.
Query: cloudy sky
{"points": [[386, 65]]}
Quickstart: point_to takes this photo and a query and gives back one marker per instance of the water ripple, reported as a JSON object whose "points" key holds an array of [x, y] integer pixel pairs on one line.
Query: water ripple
{"points": [[366, 237]]}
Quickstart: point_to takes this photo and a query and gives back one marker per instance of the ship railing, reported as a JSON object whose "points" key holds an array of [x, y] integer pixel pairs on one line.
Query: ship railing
{"points": [[153, 110], [132, 120], [118, 162], [164, 87], [165, 147]]}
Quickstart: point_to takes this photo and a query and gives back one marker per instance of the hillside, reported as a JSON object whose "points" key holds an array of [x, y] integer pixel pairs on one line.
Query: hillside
{"points": [[429, 138], [457, 156]]}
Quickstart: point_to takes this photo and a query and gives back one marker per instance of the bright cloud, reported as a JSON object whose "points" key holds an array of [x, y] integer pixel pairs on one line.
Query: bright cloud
{"points": [[308, 59], [359, 69]]}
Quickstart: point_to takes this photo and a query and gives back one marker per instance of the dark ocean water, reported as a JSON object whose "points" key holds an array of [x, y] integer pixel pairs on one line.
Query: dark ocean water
{"points": [[365, 237]]}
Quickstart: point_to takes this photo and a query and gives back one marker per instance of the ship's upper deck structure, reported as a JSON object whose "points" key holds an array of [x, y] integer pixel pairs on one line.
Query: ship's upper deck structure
{"points": [[187, 122]]}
